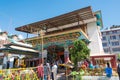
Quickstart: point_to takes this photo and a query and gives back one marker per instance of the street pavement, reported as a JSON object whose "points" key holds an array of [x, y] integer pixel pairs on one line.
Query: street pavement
{"points": [[61, 76]]}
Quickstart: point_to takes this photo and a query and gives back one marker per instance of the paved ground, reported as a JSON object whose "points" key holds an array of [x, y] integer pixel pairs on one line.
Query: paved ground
{"points": [[61, 76]]}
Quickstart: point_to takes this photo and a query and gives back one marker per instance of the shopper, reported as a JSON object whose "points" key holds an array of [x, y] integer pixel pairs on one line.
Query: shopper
{"points": [[40, 71], [46, 71], [5, 61], [108, 71], [49, 70], [54, 71], [118, 68]]}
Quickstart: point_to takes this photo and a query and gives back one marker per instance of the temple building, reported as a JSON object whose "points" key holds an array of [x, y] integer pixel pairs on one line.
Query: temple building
{"points": [[12, 48], [56, 35]]}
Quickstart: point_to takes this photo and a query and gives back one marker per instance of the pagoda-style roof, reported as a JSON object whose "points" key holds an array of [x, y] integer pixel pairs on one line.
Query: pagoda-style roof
{"points": [[58, 22], [17, 48]]}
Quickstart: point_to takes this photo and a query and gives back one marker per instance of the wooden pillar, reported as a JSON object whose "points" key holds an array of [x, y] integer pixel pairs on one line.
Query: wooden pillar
{"points": [[93, 60], [113, 62]]}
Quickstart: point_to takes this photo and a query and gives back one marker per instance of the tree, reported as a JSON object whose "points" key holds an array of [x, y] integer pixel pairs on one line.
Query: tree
{"points": [[79, 52]]}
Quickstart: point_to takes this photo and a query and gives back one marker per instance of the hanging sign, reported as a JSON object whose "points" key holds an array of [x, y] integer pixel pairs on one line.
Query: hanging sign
{"points": [[66, 55]]}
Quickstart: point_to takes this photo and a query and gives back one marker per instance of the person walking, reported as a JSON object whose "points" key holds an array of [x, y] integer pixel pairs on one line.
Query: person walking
{"points": [[54, 71], [49, 70], [118, 68], [108, 71], [46, 71], [5, 59], [40, 71]]}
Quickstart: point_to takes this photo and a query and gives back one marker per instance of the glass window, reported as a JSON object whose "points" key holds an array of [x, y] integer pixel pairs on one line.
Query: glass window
{"points": [[113, 37], [104, 38], [103, 33], [106, 50], [104, 44], [115, 43], [114, 32], [116, 49], [107, 33]]}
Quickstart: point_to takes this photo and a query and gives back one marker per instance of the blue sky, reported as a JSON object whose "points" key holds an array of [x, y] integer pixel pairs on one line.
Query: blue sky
{"points": [[15, 13]]}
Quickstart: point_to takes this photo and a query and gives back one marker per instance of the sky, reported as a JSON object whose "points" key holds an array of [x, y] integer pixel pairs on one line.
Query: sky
{"points": [[16, 13]]}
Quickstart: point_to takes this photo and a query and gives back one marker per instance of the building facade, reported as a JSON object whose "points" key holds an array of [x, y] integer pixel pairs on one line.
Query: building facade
{"points": [[111, 40], [6, 39], [82, 21], [82, 24]]}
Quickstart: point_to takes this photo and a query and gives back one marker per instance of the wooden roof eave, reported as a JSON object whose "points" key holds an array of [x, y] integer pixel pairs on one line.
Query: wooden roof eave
{"points": [[59, 19], [37, 39]]}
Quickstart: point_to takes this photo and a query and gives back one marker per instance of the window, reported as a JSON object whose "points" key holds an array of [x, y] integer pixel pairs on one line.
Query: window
{"points": [[115, 43], [106, 50], [116, 49], [113, 37], [107, 33], [104, 44], [104, 38], [103, 33], [114, 32]]}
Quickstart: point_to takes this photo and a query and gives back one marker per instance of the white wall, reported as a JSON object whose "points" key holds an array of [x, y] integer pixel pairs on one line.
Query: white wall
{"points": [[95, 38]]}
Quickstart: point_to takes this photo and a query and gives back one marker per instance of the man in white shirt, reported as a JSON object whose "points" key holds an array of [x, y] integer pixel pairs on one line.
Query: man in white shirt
{"points": [[54, 71]]}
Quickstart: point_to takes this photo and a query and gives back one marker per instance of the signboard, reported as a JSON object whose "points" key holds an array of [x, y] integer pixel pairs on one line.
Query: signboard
{"points": [[43, 54], [66, 55]]}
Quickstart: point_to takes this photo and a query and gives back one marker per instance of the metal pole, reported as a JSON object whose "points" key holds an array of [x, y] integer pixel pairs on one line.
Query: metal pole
{"points": [[65, 47], [41, 32], [42, 46]]}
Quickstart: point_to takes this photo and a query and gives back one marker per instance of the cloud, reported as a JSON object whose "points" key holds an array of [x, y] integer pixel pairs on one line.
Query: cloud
{"points": [[20, 36]]}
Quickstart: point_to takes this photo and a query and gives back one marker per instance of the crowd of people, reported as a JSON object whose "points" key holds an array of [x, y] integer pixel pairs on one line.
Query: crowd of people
{"points": [[48, 71], [107, 69]]}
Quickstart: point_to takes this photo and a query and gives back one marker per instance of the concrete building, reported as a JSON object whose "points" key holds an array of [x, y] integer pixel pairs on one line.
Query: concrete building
{"points": [[111, 40]]}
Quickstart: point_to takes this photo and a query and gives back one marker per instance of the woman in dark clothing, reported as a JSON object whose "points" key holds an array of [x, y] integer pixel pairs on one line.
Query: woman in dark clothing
{"points": [[118, 68]]}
